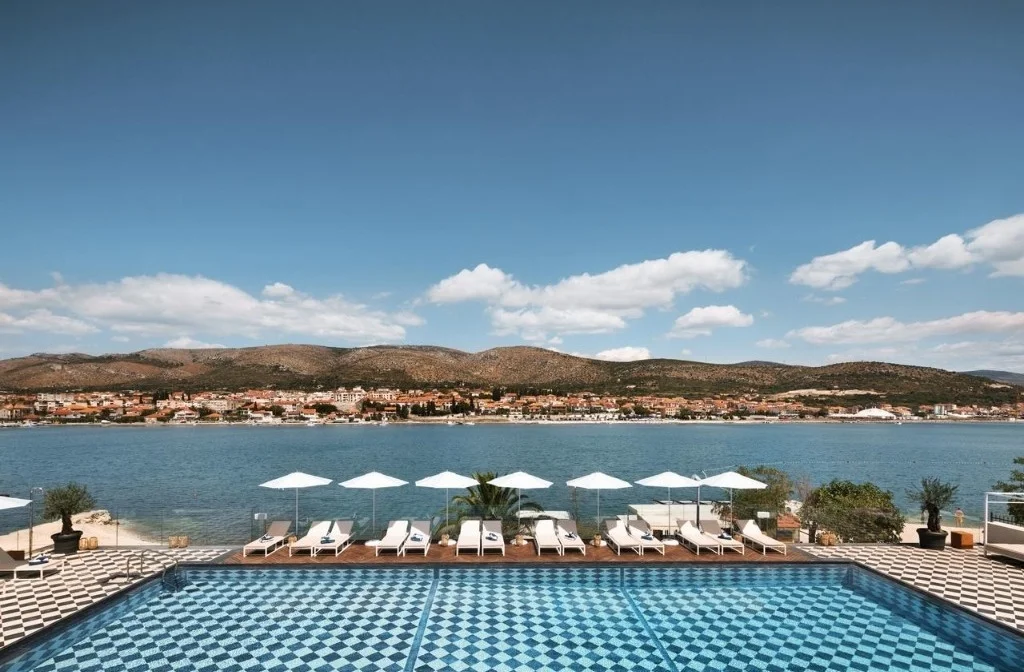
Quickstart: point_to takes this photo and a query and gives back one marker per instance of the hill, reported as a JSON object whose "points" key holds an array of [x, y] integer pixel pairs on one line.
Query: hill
{"points": [[1008, 377], [313, 366]]}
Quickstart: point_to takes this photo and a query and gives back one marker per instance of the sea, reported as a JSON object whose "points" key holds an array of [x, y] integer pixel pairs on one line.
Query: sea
{"points": [[204, 480]]}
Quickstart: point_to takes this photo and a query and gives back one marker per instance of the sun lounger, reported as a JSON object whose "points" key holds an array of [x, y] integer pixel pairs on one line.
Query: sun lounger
{"points": [[545, 536], [569, 537], [618, 536], [469, 537], [491, 539], [9, 565], [271, 541], [755, 538], [1014, 551], [691, 537], [642, 531], [394, 538], [713, 529], [419, 537], [317, 531], [338, 539]]}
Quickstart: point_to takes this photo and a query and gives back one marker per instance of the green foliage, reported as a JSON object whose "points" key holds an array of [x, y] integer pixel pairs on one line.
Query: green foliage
{"points": [[855, 512], [773, 498], [66, 501], [489, 502], [278, 411], [1014, 484], [325, 409], [933, 496]]}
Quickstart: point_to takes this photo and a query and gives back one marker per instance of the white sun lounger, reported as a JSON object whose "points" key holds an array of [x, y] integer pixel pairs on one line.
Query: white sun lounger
{"points": [[491, 539], [640, 529], [9, 565], [340, 538], [271, 541], [618, 536], [545, 536], [469, 537], [714, 530], [317, 531], [569, 537], [419, 537], [754, 537], [394, 537], [694, 539]]}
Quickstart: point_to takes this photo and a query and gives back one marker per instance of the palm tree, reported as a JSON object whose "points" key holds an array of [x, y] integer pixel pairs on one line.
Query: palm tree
{"points": [[933, 496], [489, 502]]}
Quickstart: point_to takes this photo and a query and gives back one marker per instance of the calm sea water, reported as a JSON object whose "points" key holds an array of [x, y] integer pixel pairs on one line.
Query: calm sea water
{"points": [[204, 480]]}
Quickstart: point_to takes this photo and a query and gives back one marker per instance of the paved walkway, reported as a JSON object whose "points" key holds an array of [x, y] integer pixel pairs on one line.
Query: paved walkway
{"points": [[29, 604], [993, 588]]}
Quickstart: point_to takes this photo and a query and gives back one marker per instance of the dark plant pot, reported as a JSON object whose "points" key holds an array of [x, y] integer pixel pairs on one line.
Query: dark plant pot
{"points": [[933, 540], [66, 543]]}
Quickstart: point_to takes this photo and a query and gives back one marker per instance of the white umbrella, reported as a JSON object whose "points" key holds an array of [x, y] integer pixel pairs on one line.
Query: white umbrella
{"points": [[13, 502], [732, 481], [295, 480], [669, 480], [372, 481], [446, 480], [598, 481], [520, 480]]}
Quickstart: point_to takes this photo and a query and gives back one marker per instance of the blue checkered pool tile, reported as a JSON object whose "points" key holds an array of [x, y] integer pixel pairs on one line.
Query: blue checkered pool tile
{"points": [[815, 618]]}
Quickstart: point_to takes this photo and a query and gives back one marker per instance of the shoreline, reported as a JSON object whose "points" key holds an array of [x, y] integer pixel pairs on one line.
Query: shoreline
{"points": [[478, 421], [96, 523]]}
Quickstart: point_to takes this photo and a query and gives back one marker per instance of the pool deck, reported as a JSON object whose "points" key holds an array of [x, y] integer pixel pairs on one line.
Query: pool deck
{"points": [[992, 588], [358, 554]]}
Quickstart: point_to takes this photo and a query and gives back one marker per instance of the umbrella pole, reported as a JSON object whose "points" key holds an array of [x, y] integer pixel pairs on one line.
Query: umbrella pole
{"points": [[599, 508], [732, 513], [373, 519], [671, 525], [296, 511], [446, 521], [698, 506]]}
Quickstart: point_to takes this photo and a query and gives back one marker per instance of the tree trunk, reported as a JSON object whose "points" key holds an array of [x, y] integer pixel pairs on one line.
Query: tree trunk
{"points": [[66, 524], [933, 518]]}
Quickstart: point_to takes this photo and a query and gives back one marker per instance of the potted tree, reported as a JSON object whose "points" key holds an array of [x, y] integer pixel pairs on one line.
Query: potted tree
{"points": [[933, 496], [62, 503]]}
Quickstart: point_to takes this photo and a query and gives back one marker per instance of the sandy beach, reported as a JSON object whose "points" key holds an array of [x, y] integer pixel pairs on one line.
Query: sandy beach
{"points": [[96, 523]]}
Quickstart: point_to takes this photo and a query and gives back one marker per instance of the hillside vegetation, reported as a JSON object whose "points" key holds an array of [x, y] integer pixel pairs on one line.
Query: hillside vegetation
{"points": [[313, 366]]}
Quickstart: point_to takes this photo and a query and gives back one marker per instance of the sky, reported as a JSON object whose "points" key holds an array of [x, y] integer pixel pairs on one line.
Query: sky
{"points": [[800, 182]]}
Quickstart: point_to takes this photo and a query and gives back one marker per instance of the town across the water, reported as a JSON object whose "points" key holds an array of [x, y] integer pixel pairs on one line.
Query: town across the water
{"points": [[459, 406]]}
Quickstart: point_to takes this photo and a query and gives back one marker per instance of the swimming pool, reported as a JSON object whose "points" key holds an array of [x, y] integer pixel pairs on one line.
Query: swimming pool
{"points": [[810, 616]]}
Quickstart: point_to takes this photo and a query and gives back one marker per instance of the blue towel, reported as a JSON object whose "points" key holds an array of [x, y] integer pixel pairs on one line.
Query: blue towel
{"points": [[570, 535], [723, 535], [417, 537], [39, 561], [326, 540], [491, 536], [647, 537]]}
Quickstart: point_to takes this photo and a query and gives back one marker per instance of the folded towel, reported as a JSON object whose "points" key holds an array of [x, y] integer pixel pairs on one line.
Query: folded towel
{"points": [[266, 537], [570, 535], [647, 537], [723, 535], [39, 561], [326, 540], [416, 537], [491, 536]]}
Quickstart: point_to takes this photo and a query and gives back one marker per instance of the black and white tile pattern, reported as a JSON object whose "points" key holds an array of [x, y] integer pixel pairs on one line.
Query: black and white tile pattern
{"points": [[29, 604], [992, 588]]}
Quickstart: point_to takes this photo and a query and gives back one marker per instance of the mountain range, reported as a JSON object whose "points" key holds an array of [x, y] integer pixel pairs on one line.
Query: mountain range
{"points": [[520, 368]]}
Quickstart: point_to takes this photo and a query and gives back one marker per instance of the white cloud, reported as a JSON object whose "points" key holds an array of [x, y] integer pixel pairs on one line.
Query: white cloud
{"points": [[626, 353], [913, 281], [44, 320], [167, 304], [686, 352], [772, 343], [1000, 243], [826, 300], [120, 339], [190, 343], [588, 303], [701, 321], [891, 330]]}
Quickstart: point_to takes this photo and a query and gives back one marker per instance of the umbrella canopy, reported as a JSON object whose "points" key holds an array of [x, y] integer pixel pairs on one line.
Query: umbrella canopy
{"points": [[520, 480], [295, 480], [372, 481], [669, 480], [446, 480], [598, 481], [13, 502], [732, 481]]}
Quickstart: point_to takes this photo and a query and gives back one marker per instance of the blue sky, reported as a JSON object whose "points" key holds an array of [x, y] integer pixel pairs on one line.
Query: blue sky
{"points": [[473, 176]]}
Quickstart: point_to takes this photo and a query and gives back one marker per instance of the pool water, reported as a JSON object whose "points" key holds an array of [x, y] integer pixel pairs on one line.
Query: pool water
{"points": [[818, 617]]}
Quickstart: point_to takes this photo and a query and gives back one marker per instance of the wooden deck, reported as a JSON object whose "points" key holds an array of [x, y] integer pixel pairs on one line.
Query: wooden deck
{"points": [[360, 555]]}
